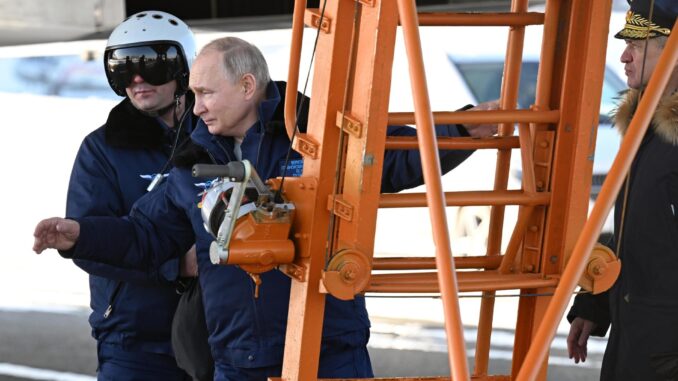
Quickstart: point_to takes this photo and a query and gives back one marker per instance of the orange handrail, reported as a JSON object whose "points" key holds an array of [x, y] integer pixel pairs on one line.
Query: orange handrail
{"points": [[431, 165], [293, 70]]}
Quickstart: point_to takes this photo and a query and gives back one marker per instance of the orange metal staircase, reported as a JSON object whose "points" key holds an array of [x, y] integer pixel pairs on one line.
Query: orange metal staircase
{"points": [[338, 195]]}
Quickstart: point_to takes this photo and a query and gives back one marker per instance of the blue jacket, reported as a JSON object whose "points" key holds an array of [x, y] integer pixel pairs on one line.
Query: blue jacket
{"points": [[112, 170], [244, 331]]}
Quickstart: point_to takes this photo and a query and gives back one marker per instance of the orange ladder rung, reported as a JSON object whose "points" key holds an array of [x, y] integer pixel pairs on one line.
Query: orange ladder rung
{"points": [[429, 263], [470, 281], [478, 117], [481, 19], [467, 198], [461, 143]]}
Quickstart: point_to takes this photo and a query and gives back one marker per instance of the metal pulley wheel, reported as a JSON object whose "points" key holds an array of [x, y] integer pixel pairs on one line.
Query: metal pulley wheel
{"points": [[602, 270], [347, 274]]}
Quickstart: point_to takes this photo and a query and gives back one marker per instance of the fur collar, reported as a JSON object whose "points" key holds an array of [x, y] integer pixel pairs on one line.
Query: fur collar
{"points": [[126, 127], [664, 120]]}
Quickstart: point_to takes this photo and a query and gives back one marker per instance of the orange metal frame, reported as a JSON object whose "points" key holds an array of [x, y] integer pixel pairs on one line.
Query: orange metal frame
{"points": [[338, 195]]}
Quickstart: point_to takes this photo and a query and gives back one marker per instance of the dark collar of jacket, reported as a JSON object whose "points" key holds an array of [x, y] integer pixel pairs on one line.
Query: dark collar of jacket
{"points": [[664, 120], [127, 127]]}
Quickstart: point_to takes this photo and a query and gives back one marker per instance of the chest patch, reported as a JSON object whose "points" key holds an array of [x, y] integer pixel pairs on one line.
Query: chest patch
{"points": [[294, 167]]}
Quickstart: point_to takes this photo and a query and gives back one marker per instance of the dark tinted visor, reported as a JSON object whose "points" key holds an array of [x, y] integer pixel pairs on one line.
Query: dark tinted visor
{"points": [[157, 64]]}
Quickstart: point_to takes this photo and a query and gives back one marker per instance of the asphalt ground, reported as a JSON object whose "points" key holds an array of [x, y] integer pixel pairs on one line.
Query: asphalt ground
{"points": [[57, 346]]}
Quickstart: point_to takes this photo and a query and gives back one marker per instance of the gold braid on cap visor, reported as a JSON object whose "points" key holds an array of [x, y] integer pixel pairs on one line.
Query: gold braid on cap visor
{"points": [[638, 27]]}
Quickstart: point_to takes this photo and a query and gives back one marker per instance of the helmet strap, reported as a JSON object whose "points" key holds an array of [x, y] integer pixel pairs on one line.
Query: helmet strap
{"points": [[160, 112]]}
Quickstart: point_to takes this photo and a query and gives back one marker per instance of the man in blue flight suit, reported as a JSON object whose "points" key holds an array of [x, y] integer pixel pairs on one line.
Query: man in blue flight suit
{"points": [[117, 164], [237, 103]]}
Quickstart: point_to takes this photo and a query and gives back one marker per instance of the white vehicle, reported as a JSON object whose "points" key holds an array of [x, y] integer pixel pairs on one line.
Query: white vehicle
{"points": [[468, 69]]}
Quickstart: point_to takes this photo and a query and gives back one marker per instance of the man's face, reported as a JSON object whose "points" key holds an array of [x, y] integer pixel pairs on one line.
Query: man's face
{"points": [[224, 105], [147, 97], [633, 57]]}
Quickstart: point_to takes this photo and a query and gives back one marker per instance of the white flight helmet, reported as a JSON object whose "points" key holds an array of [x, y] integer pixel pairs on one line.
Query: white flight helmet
{"points": [[154, 44]]}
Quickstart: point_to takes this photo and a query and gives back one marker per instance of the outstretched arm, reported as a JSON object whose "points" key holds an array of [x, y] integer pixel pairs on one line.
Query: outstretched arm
{"points": [[482, 130], [55, 233]]}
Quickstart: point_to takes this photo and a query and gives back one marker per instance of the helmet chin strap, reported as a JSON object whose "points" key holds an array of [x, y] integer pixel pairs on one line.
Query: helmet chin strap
{"points": [[161, 111]]}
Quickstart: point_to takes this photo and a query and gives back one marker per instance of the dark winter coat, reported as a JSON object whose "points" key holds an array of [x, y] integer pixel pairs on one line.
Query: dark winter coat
{"points": [[113, 168], [642, 306], [245, 331]]}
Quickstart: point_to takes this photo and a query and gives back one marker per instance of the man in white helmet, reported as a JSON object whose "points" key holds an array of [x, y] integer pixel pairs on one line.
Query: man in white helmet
{"points": [[147, 61]]}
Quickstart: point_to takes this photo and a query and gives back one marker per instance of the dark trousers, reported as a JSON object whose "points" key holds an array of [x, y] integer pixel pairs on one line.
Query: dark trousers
{"points": [[337, 360], [116, 364]]}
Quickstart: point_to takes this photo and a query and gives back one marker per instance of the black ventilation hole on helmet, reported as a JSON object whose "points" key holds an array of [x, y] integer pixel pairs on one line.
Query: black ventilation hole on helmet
{"points": [[173, 22], [140, 15], [143, 30], [157, 17]]}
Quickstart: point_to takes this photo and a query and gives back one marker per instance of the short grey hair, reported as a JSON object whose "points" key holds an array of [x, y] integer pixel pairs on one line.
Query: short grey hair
{"points": [[239, 57], [661, 41]]}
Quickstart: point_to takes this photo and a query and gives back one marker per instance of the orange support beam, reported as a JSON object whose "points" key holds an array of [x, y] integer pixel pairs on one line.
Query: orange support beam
{"points": [[435, 197]]}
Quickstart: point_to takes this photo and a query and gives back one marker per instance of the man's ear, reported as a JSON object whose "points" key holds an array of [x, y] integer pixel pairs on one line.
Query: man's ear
{"points": [[249, 85]]}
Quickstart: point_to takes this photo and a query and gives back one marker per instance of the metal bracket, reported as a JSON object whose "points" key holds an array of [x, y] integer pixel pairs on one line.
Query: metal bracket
{"points": [[340, 207], [349, 124], [295, 271], [534, 235], [306, 146], [312, 19]]}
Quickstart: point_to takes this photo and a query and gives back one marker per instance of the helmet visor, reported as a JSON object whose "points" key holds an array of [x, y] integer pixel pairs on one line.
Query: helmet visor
{"points": [[157, 64]]}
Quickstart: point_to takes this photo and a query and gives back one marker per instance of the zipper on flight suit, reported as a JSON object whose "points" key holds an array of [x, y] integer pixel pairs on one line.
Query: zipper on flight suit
{"points": [[109, 309]]}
